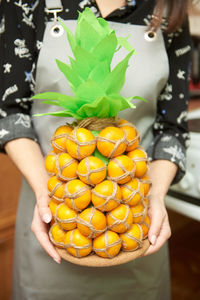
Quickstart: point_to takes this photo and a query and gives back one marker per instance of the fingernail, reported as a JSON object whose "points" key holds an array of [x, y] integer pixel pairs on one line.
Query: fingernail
{"points": [[153, 239], [46, 218], [56, 260]]}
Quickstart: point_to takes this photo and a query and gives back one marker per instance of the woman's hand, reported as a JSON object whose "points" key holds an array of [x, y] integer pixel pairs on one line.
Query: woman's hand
{"points": [[40, 227], [159, 231]]}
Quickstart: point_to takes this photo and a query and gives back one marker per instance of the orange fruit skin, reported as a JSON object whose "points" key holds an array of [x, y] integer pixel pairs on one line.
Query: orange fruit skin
{"points": [[141, 166], [132, 136], [83, 135], [119, 213], [94, 163], [105, 188], [68, 172], [114, 169], [106, 147], [98, 222], [99, 243], [52, 206], [50, 163], [78, 240], [128, 197], [57, 235], [58, 144], [80, 202], [146, 184], [139, 212], [145, 226], [63, 212], [129, 244], [146, 201], [60, 192]]}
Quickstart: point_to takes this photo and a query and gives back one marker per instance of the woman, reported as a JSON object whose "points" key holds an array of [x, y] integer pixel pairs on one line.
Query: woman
{"points": [[161, 75]]}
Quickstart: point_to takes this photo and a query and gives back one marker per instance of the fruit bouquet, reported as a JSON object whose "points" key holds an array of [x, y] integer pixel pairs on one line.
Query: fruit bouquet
{"points": [[98, 183]]}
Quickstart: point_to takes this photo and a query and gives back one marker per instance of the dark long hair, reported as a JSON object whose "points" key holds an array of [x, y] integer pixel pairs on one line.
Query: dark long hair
{"points": [[176, 12]]}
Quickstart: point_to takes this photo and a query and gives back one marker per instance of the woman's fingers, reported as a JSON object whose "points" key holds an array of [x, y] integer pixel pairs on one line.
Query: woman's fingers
{"points": [[44, 211], [40, 229]]}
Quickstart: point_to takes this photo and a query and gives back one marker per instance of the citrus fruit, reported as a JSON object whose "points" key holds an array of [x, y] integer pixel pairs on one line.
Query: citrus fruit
{"points": [[56, 235], [111, 141], [80, 143], [145, 226], [139, 212], [66, 167], [139, 156], [58, 140], [65, 217], [146, 201], [91, 170], [120, 219], [77, 194], [52, 206], [91, 222], [132, 134], [132, 192], [56, 189], [108, 244], [106, 195], [50, 163], [121, 169], [132, 239], [146, 182], [77, 244]]}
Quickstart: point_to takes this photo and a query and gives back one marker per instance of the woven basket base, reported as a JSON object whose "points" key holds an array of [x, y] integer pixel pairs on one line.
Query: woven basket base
{"points": [[94, 260]]}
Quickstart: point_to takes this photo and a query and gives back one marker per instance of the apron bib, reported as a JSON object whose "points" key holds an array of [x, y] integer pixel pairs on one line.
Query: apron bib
{"points": [[38, 277]]}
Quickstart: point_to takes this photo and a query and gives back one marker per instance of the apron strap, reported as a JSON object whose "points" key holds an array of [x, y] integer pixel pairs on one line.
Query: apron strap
{"points": [[53, 4]]}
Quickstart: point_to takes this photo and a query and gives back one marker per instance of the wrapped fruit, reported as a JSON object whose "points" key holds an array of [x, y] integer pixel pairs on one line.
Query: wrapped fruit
{"points": [[107, 244], [120, 219], [106, 195], [57, 235], [65, 217], [121, 169], [77, 244], [102, 150], [58, 140], [91, 222], [91, 170], [132, 192], [77, 194]]}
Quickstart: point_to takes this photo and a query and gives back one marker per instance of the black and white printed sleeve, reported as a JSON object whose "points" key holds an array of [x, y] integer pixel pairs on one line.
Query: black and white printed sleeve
{"points": [[171, 137], [17, 52]]}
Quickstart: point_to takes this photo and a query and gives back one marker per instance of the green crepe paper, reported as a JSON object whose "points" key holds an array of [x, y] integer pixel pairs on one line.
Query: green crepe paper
{"points": [[97, 154], [95, 86]]}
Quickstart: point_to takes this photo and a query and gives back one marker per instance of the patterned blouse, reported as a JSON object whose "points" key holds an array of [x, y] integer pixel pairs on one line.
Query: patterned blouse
{"points": [[22, 25]]}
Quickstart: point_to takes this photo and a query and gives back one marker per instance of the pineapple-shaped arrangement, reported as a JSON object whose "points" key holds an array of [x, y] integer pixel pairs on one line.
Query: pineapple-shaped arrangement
{"points": [[98, 182]]}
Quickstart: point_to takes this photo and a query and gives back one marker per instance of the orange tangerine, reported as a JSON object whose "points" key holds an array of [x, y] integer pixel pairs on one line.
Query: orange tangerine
{"points": [[120, 219], [91, 170], [132, 192], [66, 167], [132, 134], [77, 244], [77, 194], [121, 169], [106, 195], [132, 239], [65, 217], [108, 244], [111, 141], [59, 138], [145, 226], [91, 222], [146, 182], [146, 201], [57, 235], [53, 205], [56, 189], [80, 143], [139, 212], [50, 163], [139, 156]]}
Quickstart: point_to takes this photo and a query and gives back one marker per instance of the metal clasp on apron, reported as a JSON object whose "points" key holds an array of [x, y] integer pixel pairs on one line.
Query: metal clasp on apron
{"points": [[56, 30]]}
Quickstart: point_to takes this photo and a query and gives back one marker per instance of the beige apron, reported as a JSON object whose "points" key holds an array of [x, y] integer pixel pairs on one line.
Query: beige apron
{"points": [[36, 275]]}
